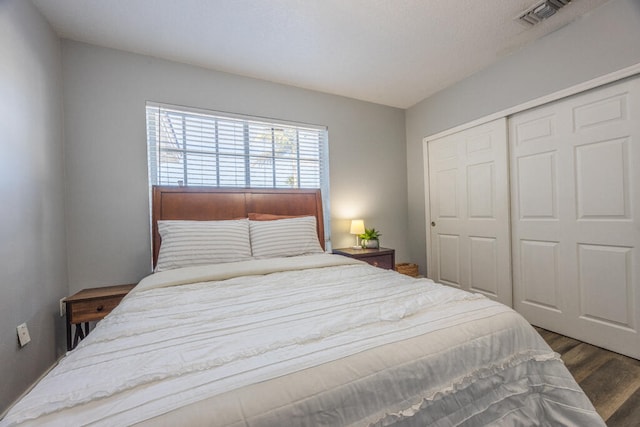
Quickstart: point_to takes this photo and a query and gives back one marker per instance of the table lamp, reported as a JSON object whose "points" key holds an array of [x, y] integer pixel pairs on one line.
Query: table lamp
{"points": [[357, 228]]}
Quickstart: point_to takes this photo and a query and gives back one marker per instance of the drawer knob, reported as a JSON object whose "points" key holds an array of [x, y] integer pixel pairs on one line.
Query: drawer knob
{"points": [[100, 308]]}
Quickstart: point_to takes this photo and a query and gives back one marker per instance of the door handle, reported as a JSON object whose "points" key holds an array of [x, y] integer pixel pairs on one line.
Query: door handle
{"points": [[433, 223]]}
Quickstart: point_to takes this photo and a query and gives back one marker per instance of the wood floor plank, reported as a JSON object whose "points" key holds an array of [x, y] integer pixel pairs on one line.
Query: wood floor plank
{"points": [[558, 343], [610, 380], [628, 415], [611, 385], [583, 359]]}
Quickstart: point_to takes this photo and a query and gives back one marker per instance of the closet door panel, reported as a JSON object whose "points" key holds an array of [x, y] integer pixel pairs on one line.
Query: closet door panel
{"points": [[481, 191], [539, 274], [602, 180], [610, 265], [484, 265], [469, 209], [446, 193], [448, 249], [575, 171], [537, 186]]}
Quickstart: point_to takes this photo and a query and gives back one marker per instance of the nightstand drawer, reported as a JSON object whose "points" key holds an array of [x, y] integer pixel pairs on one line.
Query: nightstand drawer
{"points": [[382, 257], [91, 310], [382, 261]]}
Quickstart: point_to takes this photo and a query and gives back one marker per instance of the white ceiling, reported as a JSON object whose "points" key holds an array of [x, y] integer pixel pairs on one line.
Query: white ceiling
{"points": [[391, 52]]}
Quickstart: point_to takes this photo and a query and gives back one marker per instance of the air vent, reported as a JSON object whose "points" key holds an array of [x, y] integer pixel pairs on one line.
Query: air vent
{"points": [[541, 11]]}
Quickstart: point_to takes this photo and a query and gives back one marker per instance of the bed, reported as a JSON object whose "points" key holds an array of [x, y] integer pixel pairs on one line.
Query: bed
{"points": [[287, 335]]}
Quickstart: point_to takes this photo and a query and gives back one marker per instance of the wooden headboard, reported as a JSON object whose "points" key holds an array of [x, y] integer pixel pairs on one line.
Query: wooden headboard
{"points": [[209, 203]]}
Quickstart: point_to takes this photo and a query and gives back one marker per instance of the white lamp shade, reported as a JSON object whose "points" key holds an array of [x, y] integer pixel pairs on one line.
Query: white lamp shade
{"points": [[357, 226]]}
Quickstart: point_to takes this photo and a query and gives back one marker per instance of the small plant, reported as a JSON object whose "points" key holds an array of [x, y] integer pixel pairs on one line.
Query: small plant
{"points": [[370, 234], [370, 238]]}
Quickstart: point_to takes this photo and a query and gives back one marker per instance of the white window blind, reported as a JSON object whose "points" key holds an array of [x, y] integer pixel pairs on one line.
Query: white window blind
{"points": [[205, 148]]}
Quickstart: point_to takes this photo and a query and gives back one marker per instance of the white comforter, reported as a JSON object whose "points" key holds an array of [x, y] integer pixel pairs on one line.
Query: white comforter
{"points": [[196, 336]]}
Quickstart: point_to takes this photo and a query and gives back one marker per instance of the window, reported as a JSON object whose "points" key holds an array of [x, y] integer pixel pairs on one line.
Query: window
{"points": [[189, 147], [205, 148]]}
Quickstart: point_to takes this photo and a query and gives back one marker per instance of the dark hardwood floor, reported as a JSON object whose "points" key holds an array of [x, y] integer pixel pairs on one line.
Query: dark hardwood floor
{"points": [[611, 381]]}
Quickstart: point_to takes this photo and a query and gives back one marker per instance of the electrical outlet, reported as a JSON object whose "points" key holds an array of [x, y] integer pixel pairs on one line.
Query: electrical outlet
{"points": [[63, 308], [23, 334]]}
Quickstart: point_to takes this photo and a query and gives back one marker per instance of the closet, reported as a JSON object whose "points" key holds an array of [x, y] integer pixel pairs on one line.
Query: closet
{"points": [[572, 225]]}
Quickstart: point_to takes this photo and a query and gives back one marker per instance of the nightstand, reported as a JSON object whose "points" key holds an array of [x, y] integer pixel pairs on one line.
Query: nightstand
{"points": [[383, 257], [90, 305]]}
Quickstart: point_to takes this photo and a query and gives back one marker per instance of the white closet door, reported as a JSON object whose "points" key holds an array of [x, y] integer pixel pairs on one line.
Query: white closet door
{"points": [[575, 176], [469, 203]]}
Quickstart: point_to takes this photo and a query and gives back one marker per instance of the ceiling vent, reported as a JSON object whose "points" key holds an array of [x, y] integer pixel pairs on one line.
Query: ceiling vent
{"points": [[541, 11]]}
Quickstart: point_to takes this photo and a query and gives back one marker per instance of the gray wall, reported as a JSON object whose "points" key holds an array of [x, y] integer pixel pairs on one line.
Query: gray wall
{"points": [[106, 160], [32, 237], [606, 40]]}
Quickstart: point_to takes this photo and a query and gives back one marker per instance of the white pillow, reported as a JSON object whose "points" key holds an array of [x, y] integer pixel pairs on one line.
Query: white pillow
{"points": [[186, 243], [284, 237]]}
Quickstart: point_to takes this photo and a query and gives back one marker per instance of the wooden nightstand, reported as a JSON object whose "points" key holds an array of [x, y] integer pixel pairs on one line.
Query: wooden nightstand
{"points": [[383, 257], [90, 305]]}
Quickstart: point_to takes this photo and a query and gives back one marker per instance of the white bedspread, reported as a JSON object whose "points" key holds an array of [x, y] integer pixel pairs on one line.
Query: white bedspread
{"points": [[197, 334]]}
